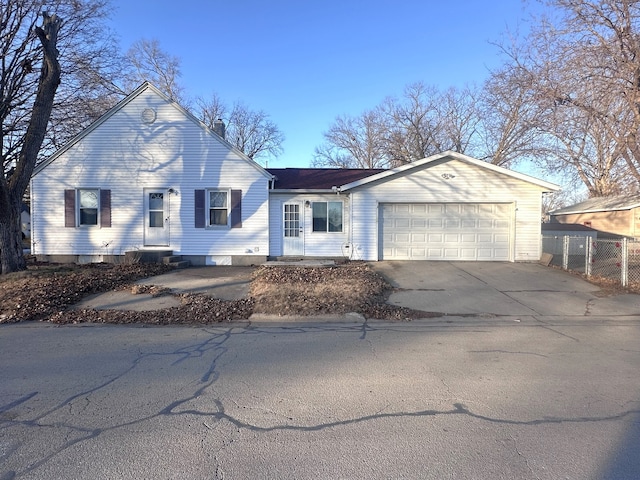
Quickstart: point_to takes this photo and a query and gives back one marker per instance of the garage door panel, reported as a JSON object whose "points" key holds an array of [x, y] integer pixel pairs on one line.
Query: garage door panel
{"points": [[501, 238], [419, 209], [452, 238], [452, 223], [446, 231], [469, 224], [468, 238], [467, 253]]}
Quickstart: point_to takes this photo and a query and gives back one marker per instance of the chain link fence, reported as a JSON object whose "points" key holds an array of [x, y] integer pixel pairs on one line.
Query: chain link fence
{"points": [[617, 259]]}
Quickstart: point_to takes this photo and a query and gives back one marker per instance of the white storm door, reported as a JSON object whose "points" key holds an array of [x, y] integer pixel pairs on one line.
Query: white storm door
{"points": [[156, 218], [293, 232]]}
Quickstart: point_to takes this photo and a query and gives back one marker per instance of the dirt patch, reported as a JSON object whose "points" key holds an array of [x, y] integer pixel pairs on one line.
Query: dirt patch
{"points": [[46, 292], [339, 289]]}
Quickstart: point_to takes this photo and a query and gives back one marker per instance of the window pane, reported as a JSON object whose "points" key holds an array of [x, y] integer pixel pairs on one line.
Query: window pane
{"points": [[88, 198], [156, 219], [217, 217], [88, 216], [335, 216], [218, 199], [156, 201], [319, 216]]}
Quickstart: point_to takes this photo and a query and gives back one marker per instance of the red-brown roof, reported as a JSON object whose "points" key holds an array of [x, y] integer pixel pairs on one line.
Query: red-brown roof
{"points": [[318, 178]]}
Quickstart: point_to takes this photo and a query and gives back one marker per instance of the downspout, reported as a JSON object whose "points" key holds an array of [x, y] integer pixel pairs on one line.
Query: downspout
{"points": [[338, 191]]}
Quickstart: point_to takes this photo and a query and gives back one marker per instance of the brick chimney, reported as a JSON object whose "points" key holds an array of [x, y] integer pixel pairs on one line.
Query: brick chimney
{"points": [[219, 127]]}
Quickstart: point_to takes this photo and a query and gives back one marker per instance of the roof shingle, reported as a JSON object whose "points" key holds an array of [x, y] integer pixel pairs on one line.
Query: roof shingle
{"points": [[318, 178]]}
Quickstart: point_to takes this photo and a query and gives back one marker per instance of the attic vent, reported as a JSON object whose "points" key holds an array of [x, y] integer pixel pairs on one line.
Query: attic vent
{"points": [[148, 115]]}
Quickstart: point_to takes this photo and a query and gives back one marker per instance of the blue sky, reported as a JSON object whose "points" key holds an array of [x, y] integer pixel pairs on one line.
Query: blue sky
{"points": [[306, 62]]}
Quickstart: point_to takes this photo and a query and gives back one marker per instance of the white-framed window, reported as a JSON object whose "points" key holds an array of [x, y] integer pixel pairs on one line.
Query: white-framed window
{"points": [[327, 216], [88, 206], [218, 208]]}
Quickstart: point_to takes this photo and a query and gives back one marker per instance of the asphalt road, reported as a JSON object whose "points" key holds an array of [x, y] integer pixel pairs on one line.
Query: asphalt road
{"points": [[463, 398]]}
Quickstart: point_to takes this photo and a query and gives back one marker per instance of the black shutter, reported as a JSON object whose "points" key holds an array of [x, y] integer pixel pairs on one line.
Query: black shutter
{"points": [[105, 208], [69, 208], [200, 218], [236, 208]]}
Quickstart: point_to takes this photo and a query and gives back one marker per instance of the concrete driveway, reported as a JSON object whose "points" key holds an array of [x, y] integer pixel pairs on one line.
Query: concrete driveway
{"points": [[499, 289]]}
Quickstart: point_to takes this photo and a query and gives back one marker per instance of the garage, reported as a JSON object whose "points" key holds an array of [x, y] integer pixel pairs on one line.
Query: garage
{"points": [[445, 231]]}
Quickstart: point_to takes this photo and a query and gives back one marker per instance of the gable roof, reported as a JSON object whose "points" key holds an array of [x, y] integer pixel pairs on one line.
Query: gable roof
{"points": [[427, 162], [318, 178], [601, 204], [125, 101]]}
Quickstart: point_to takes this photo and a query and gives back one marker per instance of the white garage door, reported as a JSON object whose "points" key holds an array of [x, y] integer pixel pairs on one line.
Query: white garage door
{"points": [[445, 231]]}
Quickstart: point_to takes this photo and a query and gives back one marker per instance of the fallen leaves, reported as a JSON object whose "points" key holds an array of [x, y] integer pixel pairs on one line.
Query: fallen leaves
{"points": [[46, 293]]}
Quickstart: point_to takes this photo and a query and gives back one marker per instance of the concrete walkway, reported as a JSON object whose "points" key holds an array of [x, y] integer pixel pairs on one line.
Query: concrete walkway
{"points": [[225, 283]]}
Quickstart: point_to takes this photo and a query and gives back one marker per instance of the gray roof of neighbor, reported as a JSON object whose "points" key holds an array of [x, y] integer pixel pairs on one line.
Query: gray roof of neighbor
{"points": [[568, 227], [601, 204], [318, 178]]}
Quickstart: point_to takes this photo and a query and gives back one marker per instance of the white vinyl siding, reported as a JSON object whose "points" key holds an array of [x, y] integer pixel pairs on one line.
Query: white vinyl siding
{"points": [[126, 155], [464, 184], [316, 244]]}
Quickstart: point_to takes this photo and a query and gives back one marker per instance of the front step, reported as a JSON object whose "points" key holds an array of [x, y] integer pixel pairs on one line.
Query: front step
{"points": [[156, 256], [146, 256], [176, 261]]}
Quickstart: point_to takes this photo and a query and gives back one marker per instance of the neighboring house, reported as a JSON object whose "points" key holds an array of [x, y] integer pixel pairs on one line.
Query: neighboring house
{"points": [[25, 221], [617, 215], [148, 176], [554, 233], [445, 207]]}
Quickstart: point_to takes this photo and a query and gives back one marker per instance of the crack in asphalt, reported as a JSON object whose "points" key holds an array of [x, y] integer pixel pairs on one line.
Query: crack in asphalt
{"points": [[216, 343], [507, 351]]}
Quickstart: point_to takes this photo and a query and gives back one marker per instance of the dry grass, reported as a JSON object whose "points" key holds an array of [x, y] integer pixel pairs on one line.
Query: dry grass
{"points": [[315, 290]]}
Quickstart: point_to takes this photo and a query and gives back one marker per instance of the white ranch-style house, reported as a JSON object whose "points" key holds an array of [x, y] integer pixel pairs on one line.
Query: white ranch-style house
{"points": [[149, 177]]}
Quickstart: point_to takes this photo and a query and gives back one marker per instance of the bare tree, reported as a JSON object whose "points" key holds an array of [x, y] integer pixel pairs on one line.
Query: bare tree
{"points": [[354, 143], [250, 131], [84, 89], [25, 44], [148, 62], [582, 70], [509, 114], [424, 121]]}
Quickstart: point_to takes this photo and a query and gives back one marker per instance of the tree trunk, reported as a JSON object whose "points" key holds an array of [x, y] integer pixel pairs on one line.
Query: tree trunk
{"points": [[12, 190], [11, 258]]}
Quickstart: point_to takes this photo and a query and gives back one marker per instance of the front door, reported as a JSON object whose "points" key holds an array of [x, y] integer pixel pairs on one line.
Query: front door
{"points": [[293, 239], [156, 217]]}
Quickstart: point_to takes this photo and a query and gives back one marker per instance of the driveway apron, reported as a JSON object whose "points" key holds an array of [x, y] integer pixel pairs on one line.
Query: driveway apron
{"points": [[497, 288]]}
